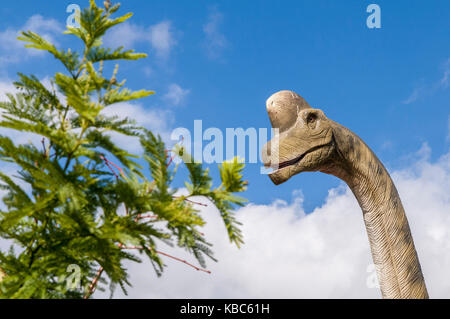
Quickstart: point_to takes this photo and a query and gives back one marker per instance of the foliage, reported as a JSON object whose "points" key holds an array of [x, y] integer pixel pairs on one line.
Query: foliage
{"points": [[68, 204]]}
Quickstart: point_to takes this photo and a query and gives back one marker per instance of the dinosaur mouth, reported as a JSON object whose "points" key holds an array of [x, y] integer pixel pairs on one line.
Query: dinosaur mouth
{"points": [[297, 159]]}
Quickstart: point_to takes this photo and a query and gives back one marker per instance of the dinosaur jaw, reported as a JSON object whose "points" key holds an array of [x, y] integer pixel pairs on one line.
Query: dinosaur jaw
{"points": [[289, 168], [281, 175]]}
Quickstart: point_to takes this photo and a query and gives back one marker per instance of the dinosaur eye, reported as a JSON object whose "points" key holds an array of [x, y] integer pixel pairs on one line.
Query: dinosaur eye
{"points": [[311, 120]]}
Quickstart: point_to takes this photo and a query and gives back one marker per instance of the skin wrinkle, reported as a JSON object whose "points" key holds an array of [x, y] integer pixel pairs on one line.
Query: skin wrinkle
{"points": [[344, 155], [388, 231]]}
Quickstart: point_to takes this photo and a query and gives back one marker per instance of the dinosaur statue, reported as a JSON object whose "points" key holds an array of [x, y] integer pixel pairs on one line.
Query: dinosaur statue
{"points": [[308, 141]]}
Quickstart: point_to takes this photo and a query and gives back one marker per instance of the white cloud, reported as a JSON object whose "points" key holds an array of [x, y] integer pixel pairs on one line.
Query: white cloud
{"points": [[325, 254], [159, 36], [429, 89], [13, 50], [47, 28], [415, 94], [10, 170], [215, 41], [126, 34], [157, 120], [176, 94], [445, 78], [448, 130], [6, 86]]}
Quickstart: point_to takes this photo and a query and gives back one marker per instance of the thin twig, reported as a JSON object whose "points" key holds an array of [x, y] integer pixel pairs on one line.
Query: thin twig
{"points": [[167, 255], [191, 201], [184, 261], [94, 283], [170, 159], [45, 149], [139, 216], [107, 162]]}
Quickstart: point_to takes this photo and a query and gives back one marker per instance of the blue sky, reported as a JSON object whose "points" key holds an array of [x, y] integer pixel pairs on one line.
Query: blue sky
{"points": [[221, 60]]}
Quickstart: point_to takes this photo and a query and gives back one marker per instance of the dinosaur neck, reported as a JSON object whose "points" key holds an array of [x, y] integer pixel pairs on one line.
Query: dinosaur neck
{"points": [[394, 255]]}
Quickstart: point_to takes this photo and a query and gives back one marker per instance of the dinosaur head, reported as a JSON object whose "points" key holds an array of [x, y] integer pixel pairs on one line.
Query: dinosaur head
{"points": [[304, 141]]}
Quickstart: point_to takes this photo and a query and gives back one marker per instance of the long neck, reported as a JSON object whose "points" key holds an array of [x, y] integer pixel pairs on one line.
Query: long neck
{"points": [[394, 255]]}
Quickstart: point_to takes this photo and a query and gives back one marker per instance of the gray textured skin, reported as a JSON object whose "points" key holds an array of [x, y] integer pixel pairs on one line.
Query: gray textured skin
{"points": [[309, 141]]}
